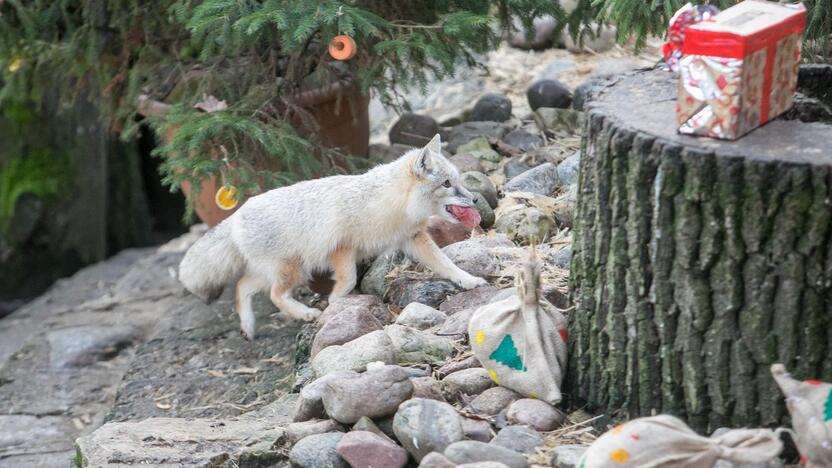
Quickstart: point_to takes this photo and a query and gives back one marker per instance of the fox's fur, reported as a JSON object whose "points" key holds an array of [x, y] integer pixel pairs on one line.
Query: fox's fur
{"points": [[278, 239]]}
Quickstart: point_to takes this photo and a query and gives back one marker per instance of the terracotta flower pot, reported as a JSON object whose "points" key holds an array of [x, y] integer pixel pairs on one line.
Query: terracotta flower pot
{"points": [[341, 113]]}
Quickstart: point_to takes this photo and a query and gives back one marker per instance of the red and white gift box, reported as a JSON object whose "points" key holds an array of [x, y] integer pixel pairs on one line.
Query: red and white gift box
{"points": [[739, 68]]}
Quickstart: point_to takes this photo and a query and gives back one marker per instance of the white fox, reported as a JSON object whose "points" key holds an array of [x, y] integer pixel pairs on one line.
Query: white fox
{"points": [[278, 239]]}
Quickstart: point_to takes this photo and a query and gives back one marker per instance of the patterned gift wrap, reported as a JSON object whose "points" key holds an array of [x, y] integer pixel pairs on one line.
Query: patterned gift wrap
{"points": [[739, 69]]}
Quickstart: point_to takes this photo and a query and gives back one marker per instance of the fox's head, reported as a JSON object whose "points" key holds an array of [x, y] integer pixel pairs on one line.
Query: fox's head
{"points": [[439, 187]]}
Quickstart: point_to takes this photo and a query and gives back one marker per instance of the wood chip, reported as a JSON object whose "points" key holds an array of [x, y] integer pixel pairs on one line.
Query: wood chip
{"points": [[164, 406], [215, 373], [246, 370]]}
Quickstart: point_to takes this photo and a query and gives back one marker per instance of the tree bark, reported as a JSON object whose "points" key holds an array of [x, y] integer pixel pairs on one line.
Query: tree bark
{"points": [[697, 263]]}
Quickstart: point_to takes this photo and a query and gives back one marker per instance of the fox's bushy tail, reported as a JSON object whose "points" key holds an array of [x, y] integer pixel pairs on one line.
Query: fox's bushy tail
{"points": [[211, 263]]}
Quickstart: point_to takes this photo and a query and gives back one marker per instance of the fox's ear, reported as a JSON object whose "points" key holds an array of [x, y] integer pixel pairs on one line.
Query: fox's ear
{"points": [[424, 164], [435, 144]]}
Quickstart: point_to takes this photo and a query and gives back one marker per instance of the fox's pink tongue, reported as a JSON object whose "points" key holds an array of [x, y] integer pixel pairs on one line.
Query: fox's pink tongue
{"points": [[467, 215]]}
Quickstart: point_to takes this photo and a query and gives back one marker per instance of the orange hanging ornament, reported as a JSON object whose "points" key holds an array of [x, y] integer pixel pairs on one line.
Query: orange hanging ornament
{"points": [[342, 47], [226, 197]]}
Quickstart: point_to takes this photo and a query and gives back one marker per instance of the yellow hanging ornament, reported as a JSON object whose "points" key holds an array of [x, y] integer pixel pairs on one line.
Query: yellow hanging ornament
{"points": [[226, 197]]}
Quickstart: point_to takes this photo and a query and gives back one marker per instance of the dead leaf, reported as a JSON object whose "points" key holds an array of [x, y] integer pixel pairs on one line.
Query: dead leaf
{"points": [[211, 104]]}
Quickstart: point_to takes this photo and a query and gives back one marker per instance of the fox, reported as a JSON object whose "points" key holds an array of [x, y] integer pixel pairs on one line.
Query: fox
{"points": [[277, 240]]}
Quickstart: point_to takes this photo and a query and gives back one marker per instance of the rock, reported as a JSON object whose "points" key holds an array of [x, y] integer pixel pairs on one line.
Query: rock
{"points": [[343, 327], [467, 382], [481, 149], [537, 414], [374, 281], [178, 442], [366, 424], [299, 430], [540, 180], [524, 224], [483, 465], [375, 393], [88, 344], [583, 90], [432, 292], [457, 324], [423, 426], [469, 362], [555, 296], [474, 257], [413, 130], [541, 37], [310, 404], [480, 183], [590, 39], [472, 298], [355, 355], [467, 131], [427, 387], [362, 449], [559, 122], [521, 439], [387, 153], [445, 232], [486, 212], [357, 301], [477, 429], [553, 69], [318, 450], [472, 451], [562, 257], [523, 140], [415, 346], [568, 169], [565, 206], [514, 167], [492, 401], [465, 162], [567, 456], [436, 460], [548, 93], [491, 107], [420, 316]]}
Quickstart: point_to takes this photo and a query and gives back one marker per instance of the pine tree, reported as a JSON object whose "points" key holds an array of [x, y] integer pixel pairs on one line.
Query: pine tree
{"points": [[249, 53]]}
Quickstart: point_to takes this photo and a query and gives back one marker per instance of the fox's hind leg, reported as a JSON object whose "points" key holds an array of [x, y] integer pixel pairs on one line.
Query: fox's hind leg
{"points": [[247, 286], [289, 275], [342, 262]]}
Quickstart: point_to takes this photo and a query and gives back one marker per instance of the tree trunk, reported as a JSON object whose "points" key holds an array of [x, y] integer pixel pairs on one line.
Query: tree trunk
{"points": [[697, 263]]}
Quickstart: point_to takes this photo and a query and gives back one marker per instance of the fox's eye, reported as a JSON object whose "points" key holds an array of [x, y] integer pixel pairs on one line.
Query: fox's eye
{"points": [[447, 184]]}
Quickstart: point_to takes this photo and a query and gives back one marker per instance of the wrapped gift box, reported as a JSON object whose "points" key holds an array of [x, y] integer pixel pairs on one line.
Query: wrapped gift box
{"points": [[739, 68]]}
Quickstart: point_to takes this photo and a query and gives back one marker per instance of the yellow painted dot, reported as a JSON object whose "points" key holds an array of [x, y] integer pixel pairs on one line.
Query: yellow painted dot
{"points": [[226, 197], [617, 429], [493, 376], [619, 456], [479, 337]]}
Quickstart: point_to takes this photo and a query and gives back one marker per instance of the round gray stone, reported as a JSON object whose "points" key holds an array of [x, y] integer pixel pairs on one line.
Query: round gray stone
{"points": [[480, 183], [318, 450], [423, 426]]}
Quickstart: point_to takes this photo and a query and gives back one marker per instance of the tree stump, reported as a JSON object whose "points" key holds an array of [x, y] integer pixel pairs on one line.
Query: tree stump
{"points": [[697, 262]]}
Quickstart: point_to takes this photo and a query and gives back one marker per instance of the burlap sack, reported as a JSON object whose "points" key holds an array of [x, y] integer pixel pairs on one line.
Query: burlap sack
{"points": [[665, 441], [521, 340], [810, 404]]}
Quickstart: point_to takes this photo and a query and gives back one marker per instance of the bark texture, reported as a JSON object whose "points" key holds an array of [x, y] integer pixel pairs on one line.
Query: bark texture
{"points": [[697, 263]]}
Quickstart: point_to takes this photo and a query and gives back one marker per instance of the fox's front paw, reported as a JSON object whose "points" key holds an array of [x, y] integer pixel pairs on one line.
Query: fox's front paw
{"points": [[470, 282]]}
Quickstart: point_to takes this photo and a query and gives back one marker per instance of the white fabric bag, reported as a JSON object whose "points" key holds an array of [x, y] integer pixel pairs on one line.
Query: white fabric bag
{"points": [[521, 340]]}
